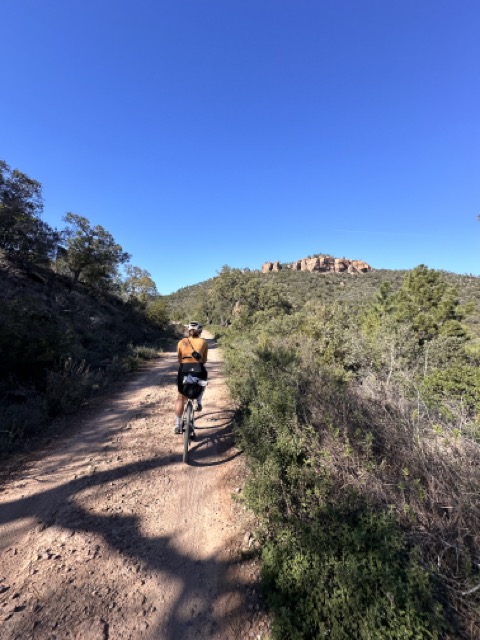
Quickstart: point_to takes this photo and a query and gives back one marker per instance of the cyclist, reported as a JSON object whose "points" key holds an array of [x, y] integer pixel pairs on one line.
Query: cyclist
{"points": [[191, 349]]}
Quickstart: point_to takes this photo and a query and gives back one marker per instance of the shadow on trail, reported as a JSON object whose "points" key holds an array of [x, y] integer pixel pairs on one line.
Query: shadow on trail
{"points": [[206, 587], [219, 418], [210, 597], [98, 438], [211, 449]]}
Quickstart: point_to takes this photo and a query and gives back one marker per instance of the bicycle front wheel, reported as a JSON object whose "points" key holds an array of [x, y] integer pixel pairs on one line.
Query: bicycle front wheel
{"points": [[187, 430]]}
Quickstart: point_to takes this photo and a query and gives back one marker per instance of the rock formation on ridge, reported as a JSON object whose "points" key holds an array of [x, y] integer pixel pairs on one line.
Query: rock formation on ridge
{"points": [[321, 264]]}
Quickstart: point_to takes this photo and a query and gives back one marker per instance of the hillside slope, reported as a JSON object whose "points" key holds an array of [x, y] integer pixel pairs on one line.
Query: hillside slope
{"points": [[58, 341], [302, 287]]}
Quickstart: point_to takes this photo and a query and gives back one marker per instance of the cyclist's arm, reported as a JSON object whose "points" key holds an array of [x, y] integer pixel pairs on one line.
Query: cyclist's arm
{"points": [[205, 352]]}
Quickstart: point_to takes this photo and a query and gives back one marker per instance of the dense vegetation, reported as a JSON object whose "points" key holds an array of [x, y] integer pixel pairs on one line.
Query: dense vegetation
{"points": [[359, 404], [70, 321]]}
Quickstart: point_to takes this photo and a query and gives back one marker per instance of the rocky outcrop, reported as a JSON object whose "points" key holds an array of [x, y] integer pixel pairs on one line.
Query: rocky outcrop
{"points": [[271, 266], [320, 264]]}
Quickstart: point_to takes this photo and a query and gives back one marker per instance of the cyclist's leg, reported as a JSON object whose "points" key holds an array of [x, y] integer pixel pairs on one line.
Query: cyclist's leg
{"points": [[179, 403], [179, 407]]}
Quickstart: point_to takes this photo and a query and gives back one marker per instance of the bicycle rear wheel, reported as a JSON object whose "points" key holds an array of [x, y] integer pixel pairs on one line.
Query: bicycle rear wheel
{"points": [[188, 426]]}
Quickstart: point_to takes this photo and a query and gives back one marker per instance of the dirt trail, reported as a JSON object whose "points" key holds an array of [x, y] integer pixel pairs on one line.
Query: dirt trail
{"points": [[108, 535]]}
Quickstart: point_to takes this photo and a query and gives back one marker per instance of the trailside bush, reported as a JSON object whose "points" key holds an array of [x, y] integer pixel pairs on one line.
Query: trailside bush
{"points": [[68, 387], [331, 475], [347, 575], [456, 385], [333, 567]]}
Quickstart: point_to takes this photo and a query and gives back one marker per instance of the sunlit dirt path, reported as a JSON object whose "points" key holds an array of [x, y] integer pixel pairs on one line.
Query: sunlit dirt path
{"points": [[108, 535]]}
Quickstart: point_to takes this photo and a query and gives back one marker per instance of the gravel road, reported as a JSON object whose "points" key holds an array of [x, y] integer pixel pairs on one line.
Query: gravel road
{"points": [[107, 534]]}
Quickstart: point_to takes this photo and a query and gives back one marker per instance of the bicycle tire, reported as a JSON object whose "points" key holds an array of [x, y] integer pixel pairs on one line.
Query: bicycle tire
{"points": [[187, 430]]}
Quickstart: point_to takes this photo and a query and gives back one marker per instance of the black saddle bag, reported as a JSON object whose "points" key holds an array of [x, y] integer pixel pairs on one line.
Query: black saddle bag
{"points": [[192, 390]]}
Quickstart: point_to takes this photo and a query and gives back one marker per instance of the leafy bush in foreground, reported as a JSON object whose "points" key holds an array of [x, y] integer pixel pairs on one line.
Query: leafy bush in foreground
{"points": [[348, 575]]}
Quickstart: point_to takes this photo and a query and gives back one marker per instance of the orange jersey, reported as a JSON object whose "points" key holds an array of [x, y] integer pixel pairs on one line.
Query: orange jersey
{"points": [[185, 349]]}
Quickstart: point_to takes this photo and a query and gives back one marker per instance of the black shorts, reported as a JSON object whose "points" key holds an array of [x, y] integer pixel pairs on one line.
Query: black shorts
{"points": [[196, 369]]}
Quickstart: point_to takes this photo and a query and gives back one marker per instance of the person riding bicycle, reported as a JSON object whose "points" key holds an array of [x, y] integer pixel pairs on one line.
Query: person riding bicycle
{"points": [[191, 350]]}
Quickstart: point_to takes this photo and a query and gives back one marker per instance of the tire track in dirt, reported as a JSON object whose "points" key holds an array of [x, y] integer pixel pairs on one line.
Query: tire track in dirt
{"points": [[108, 534]]}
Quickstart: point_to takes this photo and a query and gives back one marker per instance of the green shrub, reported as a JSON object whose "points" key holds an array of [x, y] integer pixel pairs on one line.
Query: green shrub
{"points": [[348, 575], [455, 385]]}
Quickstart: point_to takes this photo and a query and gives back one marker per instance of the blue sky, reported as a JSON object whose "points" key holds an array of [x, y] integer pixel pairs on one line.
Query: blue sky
{"points": [[234, 132]]}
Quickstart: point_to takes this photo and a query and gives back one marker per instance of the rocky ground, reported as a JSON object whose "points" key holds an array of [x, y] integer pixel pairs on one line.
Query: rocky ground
{"points": [[108, 535]]}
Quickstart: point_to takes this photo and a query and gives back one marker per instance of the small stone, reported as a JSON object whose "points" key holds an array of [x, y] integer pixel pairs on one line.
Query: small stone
{"points": [[247, 537]]}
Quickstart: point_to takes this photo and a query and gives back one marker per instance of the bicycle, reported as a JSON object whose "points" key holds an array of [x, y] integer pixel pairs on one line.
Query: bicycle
{"points": [[188, 426]]}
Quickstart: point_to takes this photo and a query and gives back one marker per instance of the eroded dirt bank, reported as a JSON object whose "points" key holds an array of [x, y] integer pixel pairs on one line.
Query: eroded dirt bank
{"points": [[109, 535]]}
